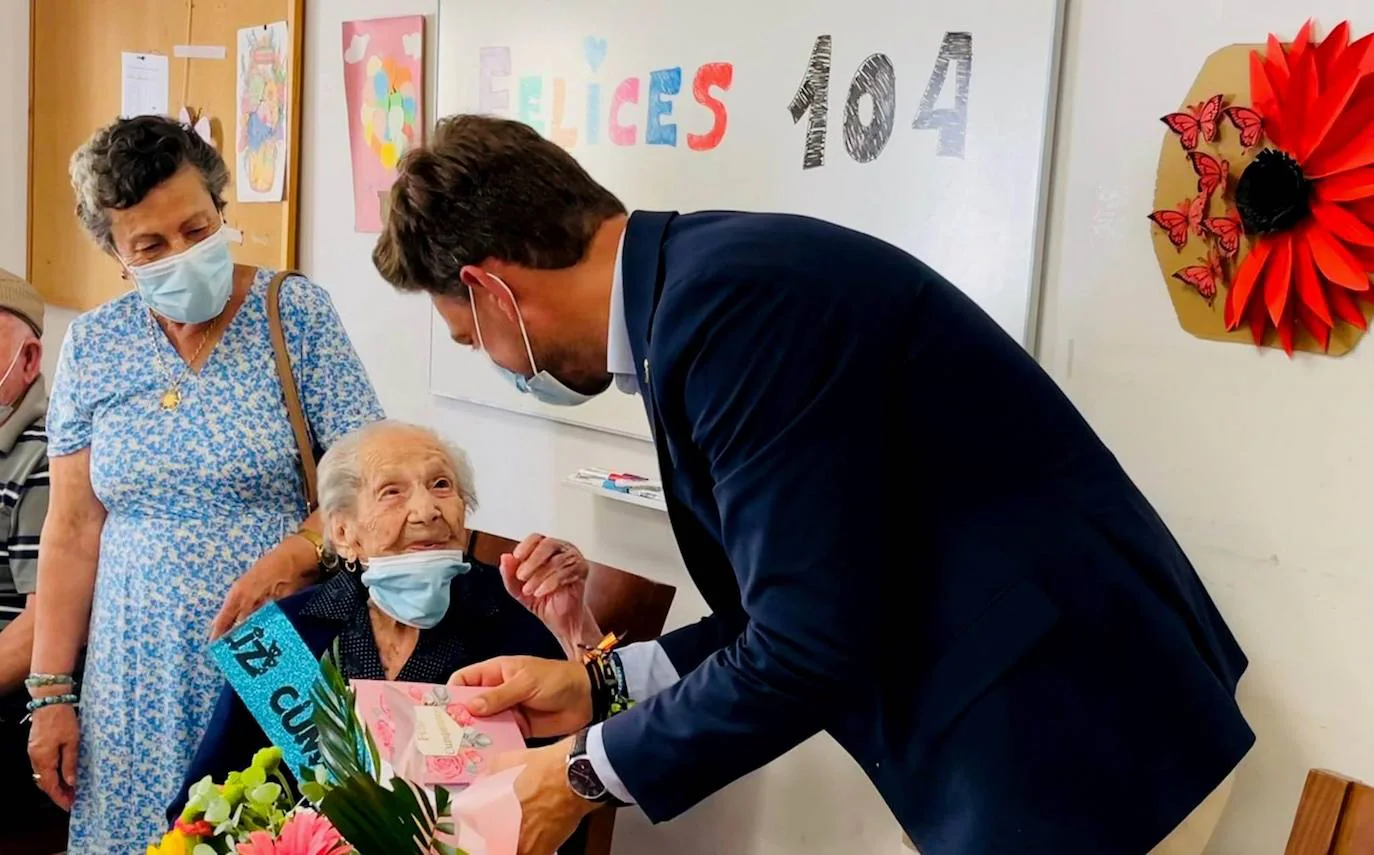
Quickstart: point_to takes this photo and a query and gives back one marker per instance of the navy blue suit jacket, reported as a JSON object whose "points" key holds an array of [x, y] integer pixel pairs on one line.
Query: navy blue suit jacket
{"points": [[910, 539]]}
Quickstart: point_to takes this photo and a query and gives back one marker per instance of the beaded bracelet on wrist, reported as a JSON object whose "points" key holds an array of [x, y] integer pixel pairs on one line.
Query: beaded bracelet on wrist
{"points": [[37, 704], [620, 695], [42, 681]]}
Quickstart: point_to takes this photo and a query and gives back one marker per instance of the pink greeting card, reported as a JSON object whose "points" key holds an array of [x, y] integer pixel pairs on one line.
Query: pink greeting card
{"points": [[426, 734]]}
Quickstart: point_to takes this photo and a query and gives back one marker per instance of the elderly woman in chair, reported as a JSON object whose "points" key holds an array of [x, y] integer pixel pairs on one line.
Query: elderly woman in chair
{"points": [[408, 605]]}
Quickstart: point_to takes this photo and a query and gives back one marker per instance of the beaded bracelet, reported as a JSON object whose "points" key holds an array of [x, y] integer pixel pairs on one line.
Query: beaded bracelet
{"points": [[40, 681], [620, 695], [37, 704]]}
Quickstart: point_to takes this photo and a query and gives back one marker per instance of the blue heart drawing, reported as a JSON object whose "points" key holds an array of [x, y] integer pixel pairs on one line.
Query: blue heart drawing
{"points": [[595, 50]]}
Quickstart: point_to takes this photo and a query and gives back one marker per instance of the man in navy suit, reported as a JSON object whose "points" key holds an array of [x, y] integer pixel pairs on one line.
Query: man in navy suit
{"points": [[908, 536]]}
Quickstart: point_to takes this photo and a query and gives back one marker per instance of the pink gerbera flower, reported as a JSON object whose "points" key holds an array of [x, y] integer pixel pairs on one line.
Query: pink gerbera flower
{"points": [[305, 833]]}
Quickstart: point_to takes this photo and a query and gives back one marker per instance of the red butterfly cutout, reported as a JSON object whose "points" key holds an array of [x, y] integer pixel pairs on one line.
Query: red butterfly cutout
{"points": [[1176, 223], [1211, 172], [1227, 230], [1248, 122], [1199, 121], [1204, 277]]}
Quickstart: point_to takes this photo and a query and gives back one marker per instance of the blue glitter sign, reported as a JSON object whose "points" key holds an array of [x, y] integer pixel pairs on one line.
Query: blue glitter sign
{"points": [[273, 671]]}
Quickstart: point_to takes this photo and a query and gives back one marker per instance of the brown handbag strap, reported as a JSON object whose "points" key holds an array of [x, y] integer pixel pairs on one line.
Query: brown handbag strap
{"points": [[294, 411]]}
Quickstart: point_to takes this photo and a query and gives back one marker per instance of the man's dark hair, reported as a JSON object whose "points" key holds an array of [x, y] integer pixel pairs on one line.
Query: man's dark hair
{"points": [[481, 188], [122, 162]]}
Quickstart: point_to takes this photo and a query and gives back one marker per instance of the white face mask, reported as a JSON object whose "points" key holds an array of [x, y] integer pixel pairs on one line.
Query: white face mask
{"points": [[7, 410], [545, 387]]}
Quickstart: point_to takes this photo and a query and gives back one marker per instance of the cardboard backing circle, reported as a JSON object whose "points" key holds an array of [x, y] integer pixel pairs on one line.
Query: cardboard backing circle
{"points": [[1225, 72]]}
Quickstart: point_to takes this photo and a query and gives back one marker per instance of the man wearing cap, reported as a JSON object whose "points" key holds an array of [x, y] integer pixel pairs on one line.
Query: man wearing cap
{"points": [[23, 505]]}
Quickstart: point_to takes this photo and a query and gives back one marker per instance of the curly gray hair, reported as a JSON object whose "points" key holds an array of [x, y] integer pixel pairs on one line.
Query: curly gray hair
{"points": [[340, 474], [122, 162]]}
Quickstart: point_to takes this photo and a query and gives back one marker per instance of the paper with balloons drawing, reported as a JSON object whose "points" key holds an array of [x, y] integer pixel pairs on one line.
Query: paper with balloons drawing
{"points": [[383, 85]]}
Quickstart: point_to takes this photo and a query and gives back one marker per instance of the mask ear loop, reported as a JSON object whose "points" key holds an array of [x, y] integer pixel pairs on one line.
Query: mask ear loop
{"points": [[519, 317]]}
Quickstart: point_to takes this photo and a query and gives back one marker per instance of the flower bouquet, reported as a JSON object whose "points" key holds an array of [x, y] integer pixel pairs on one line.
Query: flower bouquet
{"points": [[344, 806], [253, 812]]}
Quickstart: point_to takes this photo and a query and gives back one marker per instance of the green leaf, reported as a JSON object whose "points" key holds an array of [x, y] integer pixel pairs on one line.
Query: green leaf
{"points": [[345, 745], [266, 794], [203, 849], [202, 790], [313, 792], [254, 777], [217, 811]]}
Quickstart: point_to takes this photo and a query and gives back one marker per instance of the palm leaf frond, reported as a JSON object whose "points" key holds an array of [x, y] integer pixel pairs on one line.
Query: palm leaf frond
{"points": [[345, 745]]}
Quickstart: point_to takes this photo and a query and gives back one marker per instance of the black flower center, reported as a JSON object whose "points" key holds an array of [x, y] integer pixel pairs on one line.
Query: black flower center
{"points": [[1272, 193]]}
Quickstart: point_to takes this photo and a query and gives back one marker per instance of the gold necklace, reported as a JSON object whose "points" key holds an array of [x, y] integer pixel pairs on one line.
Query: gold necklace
{"points": [[171, 399]]}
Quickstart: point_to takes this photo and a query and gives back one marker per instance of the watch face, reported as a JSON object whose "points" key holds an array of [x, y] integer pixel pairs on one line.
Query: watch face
{"points": [[583, 781]]}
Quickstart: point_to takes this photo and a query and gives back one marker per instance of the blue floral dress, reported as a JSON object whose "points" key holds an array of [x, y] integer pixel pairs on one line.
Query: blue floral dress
{"points": [[193, 497]]}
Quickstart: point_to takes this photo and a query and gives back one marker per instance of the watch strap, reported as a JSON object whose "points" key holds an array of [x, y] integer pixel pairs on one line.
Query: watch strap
{"points": [[580, 765]]}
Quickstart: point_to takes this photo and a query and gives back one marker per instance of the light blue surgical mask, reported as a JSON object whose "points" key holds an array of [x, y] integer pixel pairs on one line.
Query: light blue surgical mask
{"points": [[190, 287], [413, 587], [546, 388]]}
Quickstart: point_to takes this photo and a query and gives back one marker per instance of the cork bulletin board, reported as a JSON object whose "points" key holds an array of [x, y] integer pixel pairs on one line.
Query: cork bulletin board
{"points": [[76, 49]]}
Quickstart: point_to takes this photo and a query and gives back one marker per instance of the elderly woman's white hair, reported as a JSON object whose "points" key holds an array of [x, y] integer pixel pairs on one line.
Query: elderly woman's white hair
{"points": [[340, 473]]}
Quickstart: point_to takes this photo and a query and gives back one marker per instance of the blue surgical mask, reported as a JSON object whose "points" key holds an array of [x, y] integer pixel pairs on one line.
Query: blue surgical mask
{"points": [[413, 587], [546, 388], [190, 287]]}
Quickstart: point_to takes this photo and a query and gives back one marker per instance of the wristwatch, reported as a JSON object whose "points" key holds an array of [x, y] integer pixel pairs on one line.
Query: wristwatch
{"points": [[582, 777]]}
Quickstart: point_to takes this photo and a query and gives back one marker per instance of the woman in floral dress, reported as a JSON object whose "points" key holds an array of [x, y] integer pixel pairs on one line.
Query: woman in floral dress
{"points": [[176, 502]]}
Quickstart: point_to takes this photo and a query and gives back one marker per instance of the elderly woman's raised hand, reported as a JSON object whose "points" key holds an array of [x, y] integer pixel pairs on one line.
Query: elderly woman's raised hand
{"points": [[549, 577]]}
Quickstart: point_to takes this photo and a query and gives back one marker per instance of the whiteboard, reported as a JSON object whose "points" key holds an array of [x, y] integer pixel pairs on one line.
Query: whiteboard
{"points": [[924, 123]]}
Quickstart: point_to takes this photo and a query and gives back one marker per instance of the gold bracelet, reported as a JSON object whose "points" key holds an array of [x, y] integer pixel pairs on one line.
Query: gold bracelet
{"points": [[315, 540]]}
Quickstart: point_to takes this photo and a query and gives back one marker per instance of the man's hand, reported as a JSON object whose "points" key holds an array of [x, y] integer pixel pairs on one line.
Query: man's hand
{"points": [[293, 565], [549, 809], [550, 697], [549, 577]]}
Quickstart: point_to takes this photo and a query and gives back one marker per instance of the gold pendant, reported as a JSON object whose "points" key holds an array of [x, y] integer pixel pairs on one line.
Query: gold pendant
{"points": [[171, 399]]}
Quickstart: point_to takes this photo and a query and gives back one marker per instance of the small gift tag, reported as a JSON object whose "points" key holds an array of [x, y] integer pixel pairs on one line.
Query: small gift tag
{"points": [[436, 734]]}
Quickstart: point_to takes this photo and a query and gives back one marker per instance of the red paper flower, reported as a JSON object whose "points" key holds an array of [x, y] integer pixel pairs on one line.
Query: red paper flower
{"points": [[1308, 199]]}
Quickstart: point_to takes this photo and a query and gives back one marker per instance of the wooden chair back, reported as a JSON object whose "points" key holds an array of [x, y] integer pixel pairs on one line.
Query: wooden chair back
{"points": [[1335, 817], [631, 606]]}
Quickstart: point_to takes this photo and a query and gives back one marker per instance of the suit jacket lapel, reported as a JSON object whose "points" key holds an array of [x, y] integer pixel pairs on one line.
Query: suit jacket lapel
{"points": [[643, 267]]}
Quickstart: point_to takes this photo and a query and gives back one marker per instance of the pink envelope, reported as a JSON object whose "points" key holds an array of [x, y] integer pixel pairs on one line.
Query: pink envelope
{"points": [[428, 736]]}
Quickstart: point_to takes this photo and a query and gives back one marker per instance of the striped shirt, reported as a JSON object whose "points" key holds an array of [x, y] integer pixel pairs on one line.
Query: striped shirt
{"points": [[23, 497]]}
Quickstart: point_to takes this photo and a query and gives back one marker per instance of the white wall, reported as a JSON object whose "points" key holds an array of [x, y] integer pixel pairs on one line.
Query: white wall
{"points": [[519, 462], [1261, 465]]}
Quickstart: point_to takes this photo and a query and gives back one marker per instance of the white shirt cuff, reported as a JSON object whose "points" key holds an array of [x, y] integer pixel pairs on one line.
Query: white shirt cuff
{"points": [[601, 764], [648, 670]]}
